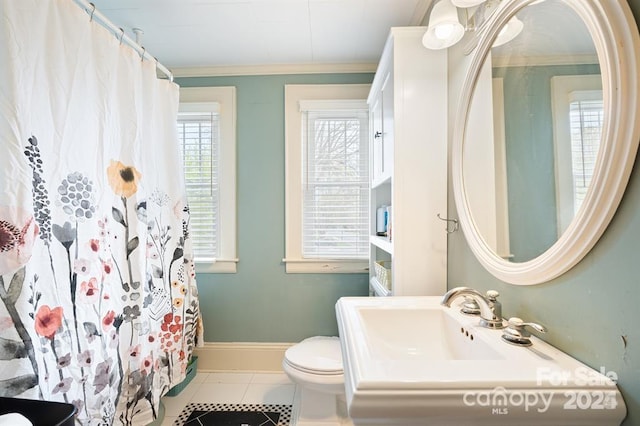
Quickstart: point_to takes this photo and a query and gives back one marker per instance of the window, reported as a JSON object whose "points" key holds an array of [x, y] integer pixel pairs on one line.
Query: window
{"points": [[335, 184], [206, 131], [327, 178], [199, 135], [578, 117]]}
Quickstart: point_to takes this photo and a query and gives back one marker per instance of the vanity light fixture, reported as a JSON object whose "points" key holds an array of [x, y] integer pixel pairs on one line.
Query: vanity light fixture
{"points": [[444, 28], [509, 31]]}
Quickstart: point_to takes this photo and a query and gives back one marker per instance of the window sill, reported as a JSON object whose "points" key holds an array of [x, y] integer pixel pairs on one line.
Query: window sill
{"points": [[216, 266], [324, 266]]}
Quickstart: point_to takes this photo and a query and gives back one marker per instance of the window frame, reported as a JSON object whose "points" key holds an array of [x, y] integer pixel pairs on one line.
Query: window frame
{"points": [[225, 98], [294, 94]]}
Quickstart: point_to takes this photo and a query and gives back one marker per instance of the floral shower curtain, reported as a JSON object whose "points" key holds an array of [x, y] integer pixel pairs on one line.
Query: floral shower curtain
{"points": [[98, 297]]}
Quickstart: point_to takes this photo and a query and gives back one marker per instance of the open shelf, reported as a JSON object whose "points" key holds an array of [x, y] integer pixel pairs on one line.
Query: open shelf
{"points": [[386, 180], [382, 243]]}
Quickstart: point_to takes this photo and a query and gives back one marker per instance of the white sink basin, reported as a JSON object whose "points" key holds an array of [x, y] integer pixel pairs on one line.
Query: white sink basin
{"points": [[384, 340], [410, 361]]}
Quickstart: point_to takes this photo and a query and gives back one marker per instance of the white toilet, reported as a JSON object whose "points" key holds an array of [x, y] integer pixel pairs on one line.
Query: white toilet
{"points": [[315, 366]]}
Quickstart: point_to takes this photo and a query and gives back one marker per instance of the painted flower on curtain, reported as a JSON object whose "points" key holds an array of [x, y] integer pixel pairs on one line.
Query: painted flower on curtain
{"points": [[18, 231], [123, 179], [163, 255], [40, 194], [48, 321], [76, 196], [163, 287], [124, 183]]}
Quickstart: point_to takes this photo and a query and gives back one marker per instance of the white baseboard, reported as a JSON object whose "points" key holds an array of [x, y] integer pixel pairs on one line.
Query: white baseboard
{"points": [[263, 357]]}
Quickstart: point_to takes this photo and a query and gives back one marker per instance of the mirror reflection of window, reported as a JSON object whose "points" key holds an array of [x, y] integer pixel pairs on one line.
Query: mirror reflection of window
{"points": [[578, 116], [503, 246], [586, 116]]}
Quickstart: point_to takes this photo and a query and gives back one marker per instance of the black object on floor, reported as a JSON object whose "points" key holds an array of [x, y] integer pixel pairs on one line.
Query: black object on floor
{"points": [[235, 415], [232, 418], [40, 413]]}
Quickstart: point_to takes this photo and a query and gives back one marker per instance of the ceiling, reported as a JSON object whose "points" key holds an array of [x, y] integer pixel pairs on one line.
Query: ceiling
{"points": [[196, 34]]}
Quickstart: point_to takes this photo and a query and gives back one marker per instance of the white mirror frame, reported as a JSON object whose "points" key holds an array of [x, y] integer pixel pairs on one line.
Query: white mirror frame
{"points": [[615, 36]]}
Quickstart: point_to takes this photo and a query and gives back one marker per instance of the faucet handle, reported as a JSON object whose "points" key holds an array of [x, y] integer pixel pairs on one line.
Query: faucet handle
{"points": [[496, 306], [470, 306], [492, 295], [516, 334]]}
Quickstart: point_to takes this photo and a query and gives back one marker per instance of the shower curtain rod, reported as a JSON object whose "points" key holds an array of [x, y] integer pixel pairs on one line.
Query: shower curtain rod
{"points": [[118, 32]]}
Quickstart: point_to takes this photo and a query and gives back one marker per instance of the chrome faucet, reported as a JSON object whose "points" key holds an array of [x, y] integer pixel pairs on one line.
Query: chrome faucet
{"points": [[490, 308]]}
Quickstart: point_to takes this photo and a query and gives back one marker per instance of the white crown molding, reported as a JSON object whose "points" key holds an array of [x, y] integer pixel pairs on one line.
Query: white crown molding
{"points": [[533, 61], [274, 69]]}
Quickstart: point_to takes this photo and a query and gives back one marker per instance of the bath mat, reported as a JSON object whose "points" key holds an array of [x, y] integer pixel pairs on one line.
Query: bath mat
{"points": [[206, 414]]}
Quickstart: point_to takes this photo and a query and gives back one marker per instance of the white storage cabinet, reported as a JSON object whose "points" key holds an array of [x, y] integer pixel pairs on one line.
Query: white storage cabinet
{"points": [[408, 148]]}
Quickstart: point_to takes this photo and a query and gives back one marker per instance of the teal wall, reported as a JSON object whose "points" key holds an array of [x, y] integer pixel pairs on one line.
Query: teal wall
{"points": [[261, 303], [530, 151], [591, 310]]}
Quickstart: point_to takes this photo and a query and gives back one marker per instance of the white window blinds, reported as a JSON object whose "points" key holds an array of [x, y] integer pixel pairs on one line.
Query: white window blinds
{"points": [[199, 136], [335, 180], [586, 117]]}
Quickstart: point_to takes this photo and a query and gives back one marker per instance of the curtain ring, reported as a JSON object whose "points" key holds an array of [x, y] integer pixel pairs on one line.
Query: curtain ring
{"points": [[142, 53], [121, 35], [92, 12]]}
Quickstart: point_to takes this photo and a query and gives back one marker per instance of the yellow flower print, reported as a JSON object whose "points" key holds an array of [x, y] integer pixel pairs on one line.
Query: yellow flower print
{"points": [[177, 302], [183, 290], [123, 179]]}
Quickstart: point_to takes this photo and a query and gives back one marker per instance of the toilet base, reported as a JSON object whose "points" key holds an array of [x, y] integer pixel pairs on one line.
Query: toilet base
{"points": [[313, 408]]}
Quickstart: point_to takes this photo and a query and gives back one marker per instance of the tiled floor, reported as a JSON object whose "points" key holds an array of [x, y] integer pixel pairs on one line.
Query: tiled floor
{"points": [[234, 388]]}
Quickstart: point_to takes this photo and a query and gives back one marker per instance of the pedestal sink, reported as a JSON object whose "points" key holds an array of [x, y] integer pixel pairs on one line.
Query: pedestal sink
{"points": [[410, 361]]}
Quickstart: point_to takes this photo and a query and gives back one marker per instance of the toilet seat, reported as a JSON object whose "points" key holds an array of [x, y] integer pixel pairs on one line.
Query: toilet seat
{"points": [[315, 366], [316, 355]]}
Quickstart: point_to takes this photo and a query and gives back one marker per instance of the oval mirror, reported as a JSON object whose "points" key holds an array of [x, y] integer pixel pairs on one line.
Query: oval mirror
{"points": [[546, 134]]}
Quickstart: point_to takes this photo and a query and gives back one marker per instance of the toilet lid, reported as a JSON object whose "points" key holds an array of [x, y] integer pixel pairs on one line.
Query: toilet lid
{"points": [[320, 354]]}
